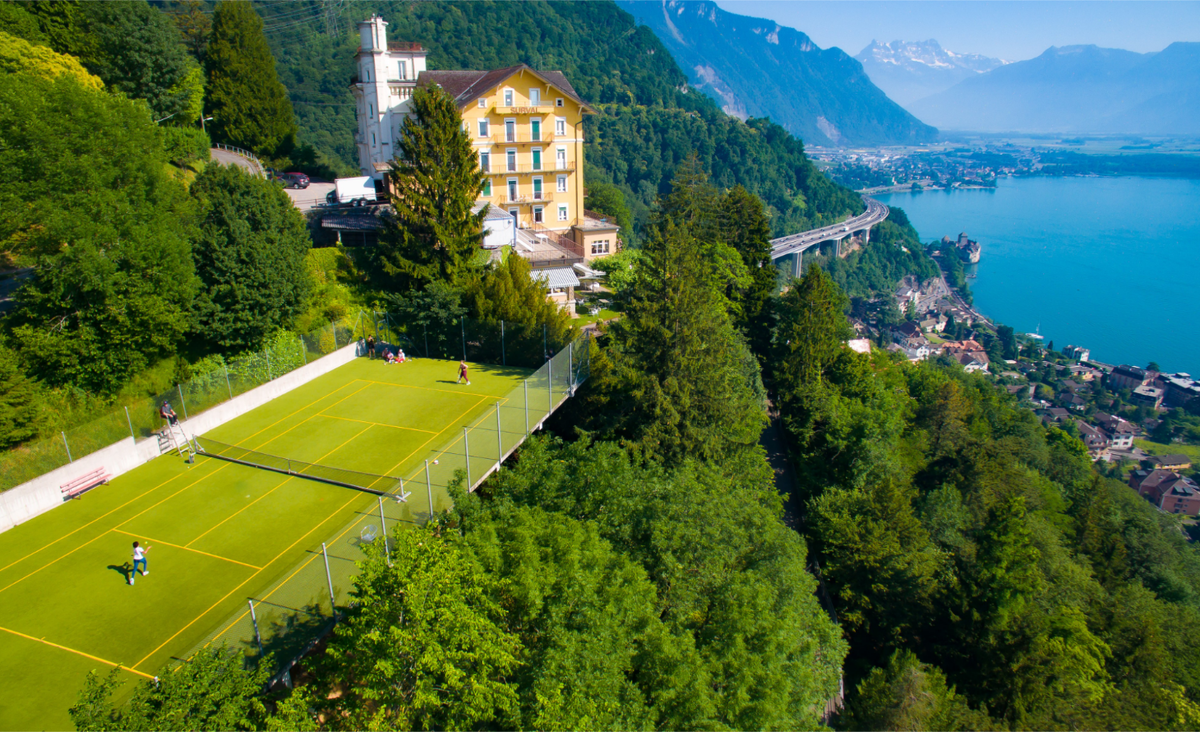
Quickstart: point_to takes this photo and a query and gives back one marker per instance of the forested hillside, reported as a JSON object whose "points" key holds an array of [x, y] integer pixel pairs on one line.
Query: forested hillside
{"points": [[649, 120]]}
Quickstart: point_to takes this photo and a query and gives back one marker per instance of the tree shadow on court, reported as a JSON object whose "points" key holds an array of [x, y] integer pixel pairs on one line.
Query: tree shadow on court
{"points": [[125, 570], [287, 632]]}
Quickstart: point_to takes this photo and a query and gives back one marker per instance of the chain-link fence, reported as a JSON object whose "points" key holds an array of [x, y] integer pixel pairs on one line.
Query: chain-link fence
{"points": [[287, 618], [141, 419], [501, 343]]}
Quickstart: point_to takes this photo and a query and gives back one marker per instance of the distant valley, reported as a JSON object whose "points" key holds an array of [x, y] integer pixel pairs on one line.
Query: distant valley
{"points": [[757, 68]]}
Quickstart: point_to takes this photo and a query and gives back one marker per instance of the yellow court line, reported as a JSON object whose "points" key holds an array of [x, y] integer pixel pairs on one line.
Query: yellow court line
{"points": [[79, 653], [89, 523], [281, 484], [176, 546], [455, 441], [301, 409], [100, 536], [378, 424], [235, 589]]}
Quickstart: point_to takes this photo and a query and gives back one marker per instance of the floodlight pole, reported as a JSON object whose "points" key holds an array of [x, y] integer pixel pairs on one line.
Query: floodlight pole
{"points": [[329, 577], [467, 453], [383, 527], [429, 489], [499, 439], [130, 421], [182, 403], [257, 636]]}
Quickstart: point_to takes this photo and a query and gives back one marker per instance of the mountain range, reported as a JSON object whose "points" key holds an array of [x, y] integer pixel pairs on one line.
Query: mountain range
{"points": [[1077, 89], [757, 68], [910, 70]]}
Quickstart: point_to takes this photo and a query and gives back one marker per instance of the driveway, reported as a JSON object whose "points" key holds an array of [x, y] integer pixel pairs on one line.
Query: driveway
{"points": [[307, 198]]}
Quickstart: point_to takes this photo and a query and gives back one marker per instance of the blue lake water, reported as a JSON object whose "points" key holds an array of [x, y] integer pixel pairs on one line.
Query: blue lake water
{"points": [[1111, 264]]}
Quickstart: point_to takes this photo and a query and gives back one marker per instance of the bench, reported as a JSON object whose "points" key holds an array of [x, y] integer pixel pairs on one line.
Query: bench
{"points": [[85, 483]]}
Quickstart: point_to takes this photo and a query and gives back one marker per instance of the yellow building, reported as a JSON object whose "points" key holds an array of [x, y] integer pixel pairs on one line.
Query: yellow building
{"points": [[527, 130]]}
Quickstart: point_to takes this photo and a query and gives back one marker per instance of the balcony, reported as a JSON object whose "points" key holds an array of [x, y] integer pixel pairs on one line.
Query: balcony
{"points": [[520, 138], [527, 169]]}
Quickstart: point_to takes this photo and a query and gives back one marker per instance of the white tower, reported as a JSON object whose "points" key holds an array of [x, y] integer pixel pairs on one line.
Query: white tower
{"points": [[387, 75]]}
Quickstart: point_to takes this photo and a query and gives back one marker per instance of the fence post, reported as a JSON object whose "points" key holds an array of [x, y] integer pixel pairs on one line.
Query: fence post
{"points": [[303, 352], [503, 353], [429, 489], [571, 368], [462, 321], [333, 329], [328, 576], [550, 386], [499, 439], [257, 636], [383, 527], [182, 403], [525, 386], [375, 317], [466, 452], [426, 327], [227, 385], [68, 447], [130, 421], [545, 346]]}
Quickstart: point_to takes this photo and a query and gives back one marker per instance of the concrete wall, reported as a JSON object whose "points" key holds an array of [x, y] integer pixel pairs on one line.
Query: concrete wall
{"points": [[43, 493]]}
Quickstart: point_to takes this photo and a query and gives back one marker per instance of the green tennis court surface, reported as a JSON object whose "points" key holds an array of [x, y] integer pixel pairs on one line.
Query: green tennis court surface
{"points": [[221, 532]]}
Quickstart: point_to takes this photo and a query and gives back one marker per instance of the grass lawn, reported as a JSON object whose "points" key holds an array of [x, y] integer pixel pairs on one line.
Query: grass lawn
{"points": [[222, 532], [1157, 448], [604, 314]]}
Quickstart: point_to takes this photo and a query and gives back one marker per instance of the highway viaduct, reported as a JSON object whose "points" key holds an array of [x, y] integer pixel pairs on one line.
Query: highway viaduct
{"points": [[794, 245]]}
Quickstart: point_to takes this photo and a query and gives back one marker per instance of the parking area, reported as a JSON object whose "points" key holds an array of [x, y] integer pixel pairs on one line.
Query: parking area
{"points": [[308, 198]]}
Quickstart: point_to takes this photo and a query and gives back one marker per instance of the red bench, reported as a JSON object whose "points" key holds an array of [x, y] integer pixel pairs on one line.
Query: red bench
{"points": [[85, 483]]}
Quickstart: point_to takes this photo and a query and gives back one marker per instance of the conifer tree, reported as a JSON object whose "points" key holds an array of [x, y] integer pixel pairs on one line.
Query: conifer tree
{"points": [[811, 329], [435, 235], [745, 227], [250, 107], [20, 412]]}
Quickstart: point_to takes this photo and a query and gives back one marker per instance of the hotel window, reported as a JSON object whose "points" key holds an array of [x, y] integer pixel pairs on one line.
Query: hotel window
{"points": [[487, 188], [600, 247], [562, 184], [537, 214], [558, 102], [562, 212], [510, 130], [483, 104], [535, 129], [485, 161], [403, 67], [512, 160], [483, 128], [535, 97], [372, 139], [370, 110], [560, 158], [560, 126], [537, 189], [537, 158], [508, 98], [512, 189], [513, 212]]}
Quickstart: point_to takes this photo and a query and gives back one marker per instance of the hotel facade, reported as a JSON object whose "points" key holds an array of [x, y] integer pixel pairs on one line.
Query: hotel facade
{"points": [[526, 127]]}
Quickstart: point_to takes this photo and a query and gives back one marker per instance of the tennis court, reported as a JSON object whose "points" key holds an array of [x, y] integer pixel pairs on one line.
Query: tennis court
{"points": [[222, 532]]}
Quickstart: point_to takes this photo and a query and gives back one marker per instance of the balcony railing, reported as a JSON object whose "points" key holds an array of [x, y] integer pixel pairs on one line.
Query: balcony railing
{"points": [[501, 169], [558, 240], [521, 137]]}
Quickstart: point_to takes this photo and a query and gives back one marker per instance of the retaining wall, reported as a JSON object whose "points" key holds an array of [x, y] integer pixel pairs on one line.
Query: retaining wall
{"points": [[23, 502]]}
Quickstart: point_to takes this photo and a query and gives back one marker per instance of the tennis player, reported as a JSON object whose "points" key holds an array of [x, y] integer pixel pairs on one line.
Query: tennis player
{"points": [[139, 557], [462, 373]]}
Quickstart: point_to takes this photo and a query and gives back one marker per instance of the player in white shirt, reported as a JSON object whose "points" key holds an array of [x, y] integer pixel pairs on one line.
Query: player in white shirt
{"points": [[139, 557]]}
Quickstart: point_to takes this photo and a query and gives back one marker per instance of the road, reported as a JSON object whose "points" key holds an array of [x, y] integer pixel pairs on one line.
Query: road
{"points": [[794, 243], [227, 157]]}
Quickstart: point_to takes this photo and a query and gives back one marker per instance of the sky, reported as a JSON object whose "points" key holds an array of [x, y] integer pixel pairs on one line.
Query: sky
{"points": [[1013, 30]]}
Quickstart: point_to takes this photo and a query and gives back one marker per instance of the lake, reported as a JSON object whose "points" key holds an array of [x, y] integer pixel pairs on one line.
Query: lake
{"points": [[1111, 264]]}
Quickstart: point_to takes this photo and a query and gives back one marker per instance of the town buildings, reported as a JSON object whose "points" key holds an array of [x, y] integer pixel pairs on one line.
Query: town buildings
{"points": [[1170, 491], [526, 127]]}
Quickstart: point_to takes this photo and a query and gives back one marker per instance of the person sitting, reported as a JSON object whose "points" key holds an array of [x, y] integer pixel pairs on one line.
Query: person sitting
{"points": [[401, 357], [391, 357], [168, 414]]}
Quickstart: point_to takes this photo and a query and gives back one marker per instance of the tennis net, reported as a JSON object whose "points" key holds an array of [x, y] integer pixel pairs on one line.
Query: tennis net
{"points": [[380, 485]]}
